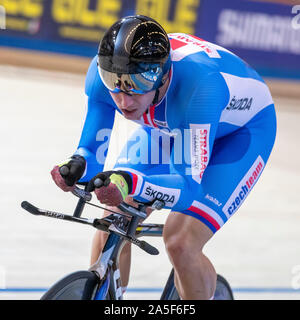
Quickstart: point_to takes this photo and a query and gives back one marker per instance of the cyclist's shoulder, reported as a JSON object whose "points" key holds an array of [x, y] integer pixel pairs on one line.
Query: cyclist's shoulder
{"points": [[199, 57], [92, 78], [196, 64], [94, 87], [186, 48], [195, 84]]}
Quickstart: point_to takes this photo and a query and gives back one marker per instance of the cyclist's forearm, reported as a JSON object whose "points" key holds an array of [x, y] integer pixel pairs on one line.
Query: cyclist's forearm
{"points": [[95, 138], [175, 190]]}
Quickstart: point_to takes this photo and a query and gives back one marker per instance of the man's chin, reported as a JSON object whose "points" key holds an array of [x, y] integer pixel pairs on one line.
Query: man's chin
{"points": [[131, 116]]}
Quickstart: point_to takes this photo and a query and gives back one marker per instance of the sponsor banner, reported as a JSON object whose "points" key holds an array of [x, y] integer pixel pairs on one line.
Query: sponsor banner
{"points": [[184, 45], [244, 187], [65, 26], [169, 195], [266, 35], [76, 26], [245, 101], [199, 144]]}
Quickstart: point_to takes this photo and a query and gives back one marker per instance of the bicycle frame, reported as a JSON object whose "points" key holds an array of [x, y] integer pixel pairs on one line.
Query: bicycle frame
{"points": [[107, 265]]}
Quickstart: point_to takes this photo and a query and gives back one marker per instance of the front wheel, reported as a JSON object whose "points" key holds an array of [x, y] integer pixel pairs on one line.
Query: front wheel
{"points": [[81, 285], [170, 292], [223, 289]]}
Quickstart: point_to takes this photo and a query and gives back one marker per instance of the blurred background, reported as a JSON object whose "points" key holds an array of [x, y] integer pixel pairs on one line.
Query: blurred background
{"points": [[45, 49]]}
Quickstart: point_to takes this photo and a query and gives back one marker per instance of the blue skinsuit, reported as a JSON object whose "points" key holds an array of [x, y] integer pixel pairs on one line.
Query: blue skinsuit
{"points": [[204, 146]]}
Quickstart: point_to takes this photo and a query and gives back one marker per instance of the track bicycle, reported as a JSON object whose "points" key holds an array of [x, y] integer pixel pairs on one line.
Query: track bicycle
{"points": [[102, 280]]}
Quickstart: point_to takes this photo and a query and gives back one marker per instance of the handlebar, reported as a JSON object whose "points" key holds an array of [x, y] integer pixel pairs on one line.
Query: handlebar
{"points": [[107, 224]]}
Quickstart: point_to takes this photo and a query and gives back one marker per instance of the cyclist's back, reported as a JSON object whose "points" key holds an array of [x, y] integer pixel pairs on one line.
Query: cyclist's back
{"points": [[210, 89], [204, 78], [212, 81]]}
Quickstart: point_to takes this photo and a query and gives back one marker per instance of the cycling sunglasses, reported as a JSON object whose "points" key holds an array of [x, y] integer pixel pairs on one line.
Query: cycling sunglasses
{"points": [[139, 83]]}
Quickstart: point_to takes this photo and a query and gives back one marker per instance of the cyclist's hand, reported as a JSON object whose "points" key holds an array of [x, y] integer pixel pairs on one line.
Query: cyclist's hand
{"points": [[111, 187], [68, 173]]}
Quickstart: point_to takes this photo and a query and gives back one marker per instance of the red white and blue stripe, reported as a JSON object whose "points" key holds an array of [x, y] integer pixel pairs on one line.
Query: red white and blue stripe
{"points": [[136, 178], [206, 215]]}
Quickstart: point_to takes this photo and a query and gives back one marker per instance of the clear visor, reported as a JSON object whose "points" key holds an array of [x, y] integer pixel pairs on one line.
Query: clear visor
{"points": [[139, 83]]}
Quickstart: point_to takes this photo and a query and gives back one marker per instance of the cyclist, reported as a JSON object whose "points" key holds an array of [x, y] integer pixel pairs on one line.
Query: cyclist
{"points": [[208, 126]]}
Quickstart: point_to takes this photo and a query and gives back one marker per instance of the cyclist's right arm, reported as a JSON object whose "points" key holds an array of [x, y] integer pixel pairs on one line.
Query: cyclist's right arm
{"points": [[89, 157]]}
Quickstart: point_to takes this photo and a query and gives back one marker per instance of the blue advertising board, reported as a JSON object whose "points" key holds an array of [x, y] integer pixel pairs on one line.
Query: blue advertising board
{"points": [[266, 35]]}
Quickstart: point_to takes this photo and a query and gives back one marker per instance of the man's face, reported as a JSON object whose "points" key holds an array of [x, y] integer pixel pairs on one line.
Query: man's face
{"points": [[133, 107]]}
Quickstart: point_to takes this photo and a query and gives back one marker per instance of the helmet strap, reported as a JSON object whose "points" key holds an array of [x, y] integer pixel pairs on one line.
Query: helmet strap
{"points": [[156, 96], [155, 99]]}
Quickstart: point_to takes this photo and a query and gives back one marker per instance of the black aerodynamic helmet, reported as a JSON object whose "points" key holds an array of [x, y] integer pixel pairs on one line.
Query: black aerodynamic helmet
{"points": [[134, 55]]}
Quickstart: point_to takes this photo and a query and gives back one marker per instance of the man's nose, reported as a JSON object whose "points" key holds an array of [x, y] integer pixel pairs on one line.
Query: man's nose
{"points": [[125, 100]]}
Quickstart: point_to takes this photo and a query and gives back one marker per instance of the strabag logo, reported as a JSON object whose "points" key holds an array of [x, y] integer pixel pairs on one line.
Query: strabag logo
{"points": [[199, 149], [169, 195], [244, 187], [184, 45]]}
